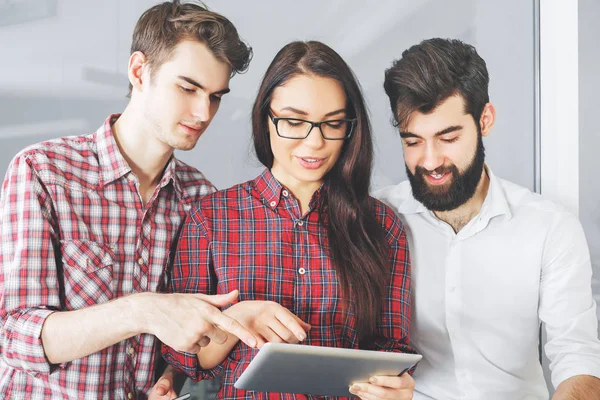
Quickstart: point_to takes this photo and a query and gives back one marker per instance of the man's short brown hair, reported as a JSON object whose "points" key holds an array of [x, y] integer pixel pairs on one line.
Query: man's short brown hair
{"points": [[163, 26]]}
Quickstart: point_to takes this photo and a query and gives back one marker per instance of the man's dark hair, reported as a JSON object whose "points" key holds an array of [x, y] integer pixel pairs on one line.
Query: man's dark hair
{"points": [[433, 70]]}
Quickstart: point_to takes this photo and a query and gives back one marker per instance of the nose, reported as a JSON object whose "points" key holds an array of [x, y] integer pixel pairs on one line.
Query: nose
{"points": [[201, 108], [433, 158], [315, 138]]}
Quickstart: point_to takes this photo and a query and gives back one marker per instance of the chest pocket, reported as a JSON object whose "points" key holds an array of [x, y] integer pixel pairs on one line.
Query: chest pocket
{"points": [[88, 273]]}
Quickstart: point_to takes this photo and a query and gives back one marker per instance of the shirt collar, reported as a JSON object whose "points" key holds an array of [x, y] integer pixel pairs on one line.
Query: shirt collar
{"points": [[495, 202], [270, 189], [114, 166], [112, 163], [411, 205], [170, 174]]}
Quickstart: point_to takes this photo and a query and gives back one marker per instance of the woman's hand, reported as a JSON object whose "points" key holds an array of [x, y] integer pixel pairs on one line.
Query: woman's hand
{"points": [[269, 321], [163, 388], [385, 387]]}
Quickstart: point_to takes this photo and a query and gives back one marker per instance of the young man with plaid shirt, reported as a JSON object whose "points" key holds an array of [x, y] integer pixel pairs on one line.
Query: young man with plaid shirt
{"points": [[88, 223]]}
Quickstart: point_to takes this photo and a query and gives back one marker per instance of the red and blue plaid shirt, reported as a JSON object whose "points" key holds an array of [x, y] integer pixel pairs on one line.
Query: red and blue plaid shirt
{"points": [[253, 238], [74, 233]]}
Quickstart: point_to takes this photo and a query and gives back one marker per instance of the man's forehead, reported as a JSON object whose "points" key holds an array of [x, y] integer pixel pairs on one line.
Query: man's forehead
{"points": [[193, 59], [450, 112]]}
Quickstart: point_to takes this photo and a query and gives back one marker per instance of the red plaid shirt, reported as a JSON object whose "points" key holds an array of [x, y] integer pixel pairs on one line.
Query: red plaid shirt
{"points": [[74, 233], [252, 237]]}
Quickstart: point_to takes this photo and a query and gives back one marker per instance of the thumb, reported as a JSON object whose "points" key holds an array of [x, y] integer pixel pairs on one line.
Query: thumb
{"points": [[305, 326], [219, 300], [163, 386]]}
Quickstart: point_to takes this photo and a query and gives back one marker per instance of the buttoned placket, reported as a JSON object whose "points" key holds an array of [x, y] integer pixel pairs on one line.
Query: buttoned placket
{"points": [[139, 279], [453, 298], [452, 290], [301, 281]]}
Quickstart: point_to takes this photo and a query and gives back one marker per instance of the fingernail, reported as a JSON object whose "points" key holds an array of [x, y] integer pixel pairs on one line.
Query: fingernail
{"points": [[355, 388], [252, 343], [373, 379], [301, 336]]}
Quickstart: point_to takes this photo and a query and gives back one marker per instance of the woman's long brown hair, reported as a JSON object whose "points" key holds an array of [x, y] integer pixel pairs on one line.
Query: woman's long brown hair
{"points": [[356, 239]]}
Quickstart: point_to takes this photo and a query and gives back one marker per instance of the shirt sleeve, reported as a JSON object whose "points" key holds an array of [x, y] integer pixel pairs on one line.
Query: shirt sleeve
{"points": [[394, 325], [29, 288], [567, 307], [191, 273]]}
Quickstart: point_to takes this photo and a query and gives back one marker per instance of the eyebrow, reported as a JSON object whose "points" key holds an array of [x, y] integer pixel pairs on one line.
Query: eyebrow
{"points": [[193, 82], [450, 129], [297, 111]]}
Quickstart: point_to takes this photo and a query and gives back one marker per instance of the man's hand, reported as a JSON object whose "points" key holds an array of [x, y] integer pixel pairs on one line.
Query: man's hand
{"points": [[187, 322], [269, 321], [385, 387]]}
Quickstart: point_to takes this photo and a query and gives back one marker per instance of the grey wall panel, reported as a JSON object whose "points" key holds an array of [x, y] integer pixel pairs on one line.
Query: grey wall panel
{"points": [[69, 67], [589, 133]]}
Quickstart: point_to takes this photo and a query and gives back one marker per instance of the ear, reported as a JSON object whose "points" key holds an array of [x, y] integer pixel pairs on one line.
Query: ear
{"points": [[488, 117], [136, 69]]}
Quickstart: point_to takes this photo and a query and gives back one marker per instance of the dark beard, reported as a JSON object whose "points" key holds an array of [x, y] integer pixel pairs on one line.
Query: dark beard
{"points": [[462, 186]]}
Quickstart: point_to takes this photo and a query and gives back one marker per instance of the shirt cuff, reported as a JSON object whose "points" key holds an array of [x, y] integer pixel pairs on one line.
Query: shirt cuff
{"points": [[581, 366], [23, 349], [188, 364]]}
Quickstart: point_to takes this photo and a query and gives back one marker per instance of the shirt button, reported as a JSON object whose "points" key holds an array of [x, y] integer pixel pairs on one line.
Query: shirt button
{"points": [[130, 395], [285, 193], [300, 223], [273, 203], [141, 261], [302, 271], [130, 351]]}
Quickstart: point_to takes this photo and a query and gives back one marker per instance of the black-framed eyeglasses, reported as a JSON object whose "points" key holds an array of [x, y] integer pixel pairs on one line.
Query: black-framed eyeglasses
{"points": [[295, 128]]}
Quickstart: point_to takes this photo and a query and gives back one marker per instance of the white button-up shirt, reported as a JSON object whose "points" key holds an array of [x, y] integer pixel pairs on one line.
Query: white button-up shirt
{"points": [[479, 296]]}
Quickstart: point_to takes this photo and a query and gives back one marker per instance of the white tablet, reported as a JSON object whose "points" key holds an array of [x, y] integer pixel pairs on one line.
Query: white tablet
{"points": [[316, 370]]}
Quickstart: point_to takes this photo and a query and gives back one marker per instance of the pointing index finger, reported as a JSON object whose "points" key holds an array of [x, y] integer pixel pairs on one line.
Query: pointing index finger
{"points": [[233, 327]]}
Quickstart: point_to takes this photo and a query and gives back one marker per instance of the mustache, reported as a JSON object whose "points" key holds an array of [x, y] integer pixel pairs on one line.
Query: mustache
{"points": [[438, 171]]}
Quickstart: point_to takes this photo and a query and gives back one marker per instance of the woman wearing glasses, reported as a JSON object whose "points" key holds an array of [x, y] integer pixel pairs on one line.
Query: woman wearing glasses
{"points": [[314, 257]]}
